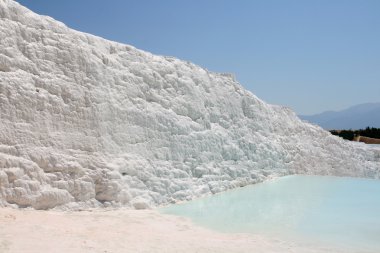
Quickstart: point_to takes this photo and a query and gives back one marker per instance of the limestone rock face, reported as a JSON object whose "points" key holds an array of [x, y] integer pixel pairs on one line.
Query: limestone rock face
{"points": [[86, 122]]}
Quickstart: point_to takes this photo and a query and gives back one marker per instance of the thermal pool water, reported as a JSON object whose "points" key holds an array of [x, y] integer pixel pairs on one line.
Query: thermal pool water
{"points": [[321, 210]]}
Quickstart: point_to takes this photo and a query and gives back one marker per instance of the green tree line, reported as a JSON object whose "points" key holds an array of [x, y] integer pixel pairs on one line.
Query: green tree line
{"points": [[350, 134]]}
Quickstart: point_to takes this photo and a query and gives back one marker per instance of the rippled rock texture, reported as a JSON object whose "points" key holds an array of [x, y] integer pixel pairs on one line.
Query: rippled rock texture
{"points": [[86, 122]]}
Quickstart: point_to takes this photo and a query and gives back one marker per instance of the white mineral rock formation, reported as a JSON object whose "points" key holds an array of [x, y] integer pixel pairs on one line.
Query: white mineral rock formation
{"points": [[86, 122]]}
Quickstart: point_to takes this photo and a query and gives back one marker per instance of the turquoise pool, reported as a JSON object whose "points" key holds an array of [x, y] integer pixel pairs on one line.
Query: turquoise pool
{"points": [[338, 212]]}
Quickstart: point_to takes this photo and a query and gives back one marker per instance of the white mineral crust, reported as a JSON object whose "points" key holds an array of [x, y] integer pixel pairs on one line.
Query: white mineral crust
{"points": [[87, 122]]}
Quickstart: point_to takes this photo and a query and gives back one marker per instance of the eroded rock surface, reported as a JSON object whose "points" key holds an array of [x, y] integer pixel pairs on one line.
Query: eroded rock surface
{"points": [[86, 122]]}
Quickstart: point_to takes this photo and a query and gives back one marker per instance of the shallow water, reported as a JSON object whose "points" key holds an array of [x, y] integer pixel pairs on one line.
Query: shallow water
{"points": [[332, 211]]}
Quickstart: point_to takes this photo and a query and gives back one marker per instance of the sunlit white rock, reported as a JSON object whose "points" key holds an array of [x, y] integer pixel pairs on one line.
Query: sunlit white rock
{"points": [[86, 122]]}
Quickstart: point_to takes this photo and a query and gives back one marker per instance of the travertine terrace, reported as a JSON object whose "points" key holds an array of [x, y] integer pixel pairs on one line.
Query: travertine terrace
{"points": [[87, 122]]}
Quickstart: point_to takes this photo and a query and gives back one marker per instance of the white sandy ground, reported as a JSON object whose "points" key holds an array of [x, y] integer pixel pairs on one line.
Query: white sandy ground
{"points": [[125, 231]]}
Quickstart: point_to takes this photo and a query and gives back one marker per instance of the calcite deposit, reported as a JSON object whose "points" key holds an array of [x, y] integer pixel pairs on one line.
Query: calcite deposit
{"points": [[87, 122]]}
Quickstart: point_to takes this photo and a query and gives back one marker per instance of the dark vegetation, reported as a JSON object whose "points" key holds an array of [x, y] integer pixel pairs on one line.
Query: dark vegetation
{"points": [[350, 134]]}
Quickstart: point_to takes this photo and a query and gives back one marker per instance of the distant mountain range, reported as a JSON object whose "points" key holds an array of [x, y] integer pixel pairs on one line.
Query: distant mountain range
{"points": [[355, 117]]}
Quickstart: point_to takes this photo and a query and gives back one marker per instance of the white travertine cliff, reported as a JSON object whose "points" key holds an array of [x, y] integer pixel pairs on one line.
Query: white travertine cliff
{"points": [[86, 122]]}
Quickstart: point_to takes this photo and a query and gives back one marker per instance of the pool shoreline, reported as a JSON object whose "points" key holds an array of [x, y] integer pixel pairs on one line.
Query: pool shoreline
{"points": [[296, 208], [127, 231]]}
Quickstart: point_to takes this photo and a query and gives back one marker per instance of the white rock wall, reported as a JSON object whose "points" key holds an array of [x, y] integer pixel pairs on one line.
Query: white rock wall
{"points": [[86, 122]]}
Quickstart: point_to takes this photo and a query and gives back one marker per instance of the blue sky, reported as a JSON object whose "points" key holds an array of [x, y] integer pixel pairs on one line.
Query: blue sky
{"points": [[310, 55]]}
